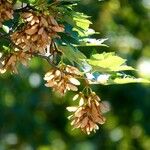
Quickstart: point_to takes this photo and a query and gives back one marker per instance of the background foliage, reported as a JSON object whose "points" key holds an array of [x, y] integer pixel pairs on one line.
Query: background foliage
{"points": [[32, 117]]}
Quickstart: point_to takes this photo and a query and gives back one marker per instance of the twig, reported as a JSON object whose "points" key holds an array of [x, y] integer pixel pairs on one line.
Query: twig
{"points": [[47, 58]]}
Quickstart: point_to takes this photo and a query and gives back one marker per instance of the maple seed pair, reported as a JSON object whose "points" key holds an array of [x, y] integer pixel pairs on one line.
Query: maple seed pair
{"points": [[62, 79], [37, 33], [6, 11], [88, 114], [10, 62]]}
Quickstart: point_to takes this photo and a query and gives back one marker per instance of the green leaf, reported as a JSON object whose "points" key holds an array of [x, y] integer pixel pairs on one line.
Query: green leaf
{"points": [[107, 62], [38, 2], [92, 42], [67, 2], [81, 21], [122, 68], [116, 78], [72, 54], [127, 80], [6, 49], [77, 20], [86, 33], [70, 38]]}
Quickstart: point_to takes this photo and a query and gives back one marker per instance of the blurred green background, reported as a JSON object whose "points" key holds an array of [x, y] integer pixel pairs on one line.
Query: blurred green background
{"points": [[34, 118]]}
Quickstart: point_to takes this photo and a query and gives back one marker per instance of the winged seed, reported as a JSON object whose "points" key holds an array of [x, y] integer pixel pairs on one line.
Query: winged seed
{"points": [[74, 81]]}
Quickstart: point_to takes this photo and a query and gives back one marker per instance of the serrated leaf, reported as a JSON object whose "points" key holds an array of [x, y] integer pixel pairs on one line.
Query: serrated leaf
{"points": [[72, 54], [77, 20], [86, 33], [117, 78], [72, 39], [122, 68], [92, 42], [106, 62], [82, 23], [128, 80]]}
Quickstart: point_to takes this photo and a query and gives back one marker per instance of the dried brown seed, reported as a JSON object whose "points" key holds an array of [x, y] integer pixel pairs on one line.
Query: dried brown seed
{"points": [[32, 30], [86, 116], [61, 80]]}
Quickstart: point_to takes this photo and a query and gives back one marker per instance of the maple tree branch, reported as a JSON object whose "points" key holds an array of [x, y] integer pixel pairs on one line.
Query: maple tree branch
{"points": [[47, 58]]}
